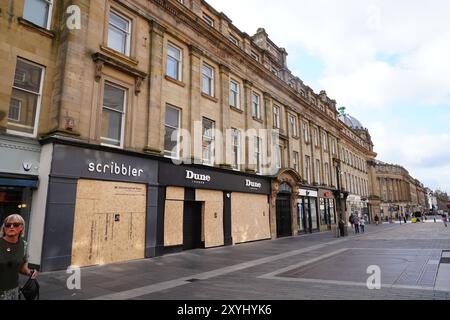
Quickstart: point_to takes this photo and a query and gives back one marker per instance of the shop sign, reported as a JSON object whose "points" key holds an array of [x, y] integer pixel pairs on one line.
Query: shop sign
{"points": [[197, 178], [308, 193], [115, 169], [253, 185]]}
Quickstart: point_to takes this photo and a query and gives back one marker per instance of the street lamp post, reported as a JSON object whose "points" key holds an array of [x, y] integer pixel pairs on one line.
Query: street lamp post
{"points": [[339, 196]]}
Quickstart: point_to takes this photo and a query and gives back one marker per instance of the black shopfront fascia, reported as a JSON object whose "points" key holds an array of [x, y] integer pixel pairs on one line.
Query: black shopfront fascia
{"points": [[192, 177], [72, 161]]}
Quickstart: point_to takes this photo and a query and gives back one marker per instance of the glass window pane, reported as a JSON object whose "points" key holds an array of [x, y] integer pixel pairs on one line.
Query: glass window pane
{"points": [[117, 40], [169, 145], [174, 52], [172, 117], [172, 68], [36, 11], [28, 105], [119, 22], [27, 76], [114, 98], [206, 85], [111, 127]]}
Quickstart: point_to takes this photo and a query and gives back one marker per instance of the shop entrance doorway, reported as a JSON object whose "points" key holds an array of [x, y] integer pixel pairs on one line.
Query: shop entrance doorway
{"points": [[192, 225]]}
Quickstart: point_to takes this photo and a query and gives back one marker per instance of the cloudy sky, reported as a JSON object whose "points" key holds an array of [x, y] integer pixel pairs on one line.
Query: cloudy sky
{"points": [[387, 61]]}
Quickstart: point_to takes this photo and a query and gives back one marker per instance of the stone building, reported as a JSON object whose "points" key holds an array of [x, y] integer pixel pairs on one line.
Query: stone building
{"points": [[158, 126], [400, 194]]}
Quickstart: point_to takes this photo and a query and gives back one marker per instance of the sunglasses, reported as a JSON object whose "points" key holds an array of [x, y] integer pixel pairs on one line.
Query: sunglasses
{"points": [[12, 225]]}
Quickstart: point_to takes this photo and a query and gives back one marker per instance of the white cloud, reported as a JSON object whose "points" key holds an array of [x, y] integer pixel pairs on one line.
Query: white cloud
{"points": [[377, 55]]}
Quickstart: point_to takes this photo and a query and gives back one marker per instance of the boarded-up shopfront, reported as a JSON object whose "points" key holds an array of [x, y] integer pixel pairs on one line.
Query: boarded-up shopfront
{"points": [[101, 207], [207, 208]]}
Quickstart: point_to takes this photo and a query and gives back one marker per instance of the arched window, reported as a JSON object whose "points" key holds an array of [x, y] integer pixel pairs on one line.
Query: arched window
{"points": [[285, 188]]}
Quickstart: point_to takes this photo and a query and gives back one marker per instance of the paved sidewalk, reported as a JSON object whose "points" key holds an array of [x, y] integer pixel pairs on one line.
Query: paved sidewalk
{"points": [[317, 266]]}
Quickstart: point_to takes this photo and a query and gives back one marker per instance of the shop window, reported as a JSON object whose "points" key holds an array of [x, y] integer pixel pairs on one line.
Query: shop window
{"points": [[14, 200]]}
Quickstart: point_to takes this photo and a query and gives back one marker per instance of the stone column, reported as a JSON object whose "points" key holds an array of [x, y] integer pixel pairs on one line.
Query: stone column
{"points": [[249, 162], [195, 119], [225, 112], [156, 114]]}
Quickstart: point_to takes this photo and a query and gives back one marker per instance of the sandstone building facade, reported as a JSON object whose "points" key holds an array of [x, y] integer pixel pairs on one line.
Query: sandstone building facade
{"points": [[158, 126]]}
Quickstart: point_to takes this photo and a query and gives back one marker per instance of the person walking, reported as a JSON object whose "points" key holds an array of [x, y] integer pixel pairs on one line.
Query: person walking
{"points": [[356, 223], [362, 224], [13, 257], [377, 219], [444, 219], [351, 219]]}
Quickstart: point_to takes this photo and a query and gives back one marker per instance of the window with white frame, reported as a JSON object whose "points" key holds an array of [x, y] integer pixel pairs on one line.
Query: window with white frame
{"points": [[325, 141], [119, 33], [295, 161], [317, 171], [39, 12], [113, 115], [326, 176], [208, 141], [254, 55], [278, 157], [235, 94], [257, 146], [334, 146], [234, 40], [308, 169], [208, 19], [256, 106], [236, 148], [293, 125], [25, 103], [306, 131], [174, 62], [208, 80], [172, 133], [316, 137], [276, 117]]}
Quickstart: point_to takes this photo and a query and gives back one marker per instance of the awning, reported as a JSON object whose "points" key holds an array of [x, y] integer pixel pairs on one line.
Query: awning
{"points": [[24, 183]]}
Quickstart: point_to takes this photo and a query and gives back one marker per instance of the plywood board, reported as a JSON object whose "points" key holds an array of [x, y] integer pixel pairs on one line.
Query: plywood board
{"points": [[173, 223], [212, 217], [109, 222], [175, 193], [249, 217]]}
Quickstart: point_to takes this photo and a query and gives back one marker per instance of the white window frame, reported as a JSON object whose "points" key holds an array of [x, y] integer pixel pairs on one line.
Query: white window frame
{"points": [[256, 106], [315, 137], [236, 143], [306, 131], [19, 107], [234, 40], [276, 116], [326, 174], [211, 140], [166, 152], [308, 168], [210, 80], [254, 55], [296, 160], [278, 157], [317, 171], [293, 125], [38, 102], [127, 32], [257, 153], [235, 94], [325, 141], [208, 20], [49, 14], [180, 62], [124, 112]]}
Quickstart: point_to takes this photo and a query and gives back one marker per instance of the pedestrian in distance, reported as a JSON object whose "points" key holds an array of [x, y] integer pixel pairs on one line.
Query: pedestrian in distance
{"points": [[377, 219], [404, 218], [351, 219], [362, 224], [444, 219], [356, 223], [13, 257]]}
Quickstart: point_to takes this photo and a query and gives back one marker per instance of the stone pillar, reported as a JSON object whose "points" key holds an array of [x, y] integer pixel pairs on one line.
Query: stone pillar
{"points": [[225, 112], [156, 114], [250, 164], [195, 118]]}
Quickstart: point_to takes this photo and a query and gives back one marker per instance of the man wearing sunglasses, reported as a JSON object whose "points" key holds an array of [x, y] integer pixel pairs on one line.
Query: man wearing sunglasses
{"points": [[13, 257]]}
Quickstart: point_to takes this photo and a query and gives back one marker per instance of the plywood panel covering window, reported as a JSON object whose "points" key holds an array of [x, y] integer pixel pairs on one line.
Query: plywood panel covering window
{"points": [[109, 222]]}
